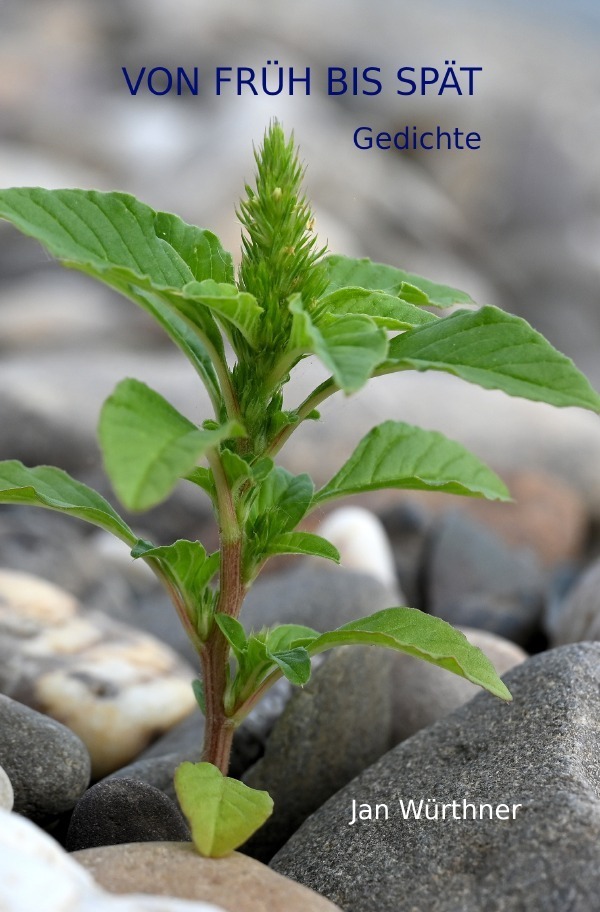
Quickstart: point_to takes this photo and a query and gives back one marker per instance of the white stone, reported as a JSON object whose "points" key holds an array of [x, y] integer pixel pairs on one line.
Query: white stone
{"points": [[362, 542], [7, 797], [37, 874], [114, 686]]}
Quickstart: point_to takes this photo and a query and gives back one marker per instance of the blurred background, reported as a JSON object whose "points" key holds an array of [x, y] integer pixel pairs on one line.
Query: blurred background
{"points": [[517, 223]]}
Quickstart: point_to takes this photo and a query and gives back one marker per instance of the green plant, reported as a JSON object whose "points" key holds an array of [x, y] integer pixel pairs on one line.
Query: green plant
{"points": [[290, 301]]}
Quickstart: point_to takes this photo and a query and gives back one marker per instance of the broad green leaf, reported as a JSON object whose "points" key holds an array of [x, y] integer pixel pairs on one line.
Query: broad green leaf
{"points": [[222, 812], [114, 235], [303, 543], [496, 351], [345, 272], [189, 565], [148, 445], [46, 486], [350, 346], [384, 309], [200, 249], [148, 256], [226, 302], [398, 455], [421, 635]]}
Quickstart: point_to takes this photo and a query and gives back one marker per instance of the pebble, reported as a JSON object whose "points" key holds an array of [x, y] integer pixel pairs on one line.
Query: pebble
{"points": [[577, 616], [112, 685], [474, 580], [539, 752], [124, 810], [237, 883], [332, 728], [362, 543], [47, 764], [548, 517], [319, 597], [35, 873], [7, 795], [422, 693]]}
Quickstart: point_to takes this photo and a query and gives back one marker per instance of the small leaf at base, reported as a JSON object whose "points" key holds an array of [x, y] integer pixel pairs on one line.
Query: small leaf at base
{"points": [[222, 812]]}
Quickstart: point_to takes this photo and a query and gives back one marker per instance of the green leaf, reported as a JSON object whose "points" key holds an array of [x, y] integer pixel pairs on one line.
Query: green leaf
{"points": [[281, 502], [188, 564], [344, 272], [45, 486], [226, 302], [148, 445], [200, 249], [222, 812], [350, 346], [420, 635], [294, 665], [398, 455], [288, 636], [115, 236], [303, 543], [496, 351], [198, 688], [385, 310], [233, 632], [185, 338], [144, 254]]}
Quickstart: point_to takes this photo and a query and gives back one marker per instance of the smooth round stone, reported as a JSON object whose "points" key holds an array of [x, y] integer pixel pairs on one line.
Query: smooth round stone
{"points": [[115, 811], [48, 765], [237, 883], [7, 796], [37, 874], [362, 542]]}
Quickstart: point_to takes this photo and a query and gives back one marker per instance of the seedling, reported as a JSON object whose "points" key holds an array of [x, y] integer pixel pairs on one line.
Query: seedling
{"points": [[290, 301]]}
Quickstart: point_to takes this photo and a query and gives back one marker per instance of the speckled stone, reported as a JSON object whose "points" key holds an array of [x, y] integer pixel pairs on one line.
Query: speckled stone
{"points": [[115, 687], [47, 764], [540, 752], [331, 729], [236, 883]]}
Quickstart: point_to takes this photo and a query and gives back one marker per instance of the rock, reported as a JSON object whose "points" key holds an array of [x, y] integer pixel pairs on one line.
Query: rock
{"points": [[539, 753], [124, 810], [318, 597], [362, 543], [474, 580], [332, 728], [237, 883], [157, 764], [115, 687], [36, 873], [422, 693], [548, 517], [578, 616], [7, 795], [407, 524], [47, 764]]}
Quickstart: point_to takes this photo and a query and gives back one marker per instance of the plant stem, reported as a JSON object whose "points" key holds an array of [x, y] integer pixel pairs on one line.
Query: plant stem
{"points": [[214, 655], [318, 395]]}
